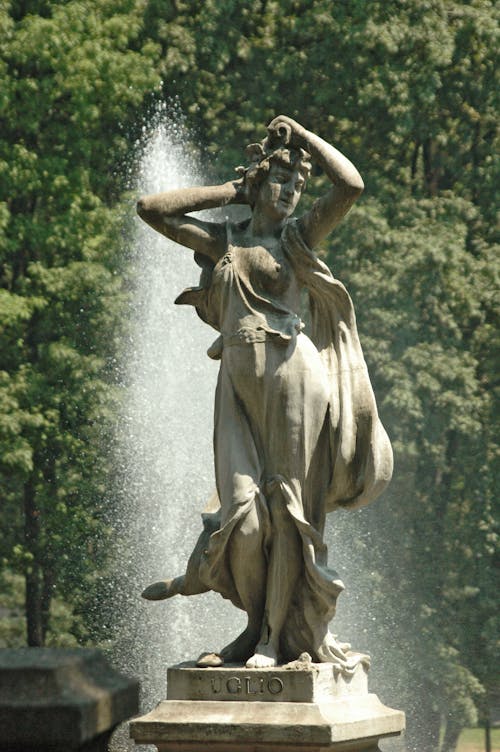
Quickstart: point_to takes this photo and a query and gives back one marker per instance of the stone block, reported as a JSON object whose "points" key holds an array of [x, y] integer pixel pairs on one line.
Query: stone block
{"points": [[61, 699], [316, 682], [312, 708]]}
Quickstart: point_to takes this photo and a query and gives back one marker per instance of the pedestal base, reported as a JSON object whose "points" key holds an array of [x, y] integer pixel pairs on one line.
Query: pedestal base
{"points": [[232, 709], [61, 700]]}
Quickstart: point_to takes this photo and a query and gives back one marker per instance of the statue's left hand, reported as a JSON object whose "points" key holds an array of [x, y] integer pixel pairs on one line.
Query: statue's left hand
{"points": [[241, 192]]}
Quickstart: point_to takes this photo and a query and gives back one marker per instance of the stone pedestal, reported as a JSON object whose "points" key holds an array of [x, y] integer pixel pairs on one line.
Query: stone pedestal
{"points": [[61, 700], [300, 708]]}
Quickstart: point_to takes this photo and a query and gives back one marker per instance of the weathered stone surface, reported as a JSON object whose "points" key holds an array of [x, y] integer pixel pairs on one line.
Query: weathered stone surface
{"points": [[316, 708], [317, 682], [61, 699], [355, 723], [296, 432]]}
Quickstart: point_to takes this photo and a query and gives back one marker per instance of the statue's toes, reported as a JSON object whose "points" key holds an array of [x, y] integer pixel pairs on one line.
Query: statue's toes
{"points": [[210, 660], [261, 661], [158, 591]]}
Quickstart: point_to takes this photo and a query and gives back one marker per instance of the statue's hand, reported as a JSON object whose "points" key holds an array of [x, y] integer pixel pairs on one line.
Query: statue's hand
{"points": [[286, 130], [240, 190]]}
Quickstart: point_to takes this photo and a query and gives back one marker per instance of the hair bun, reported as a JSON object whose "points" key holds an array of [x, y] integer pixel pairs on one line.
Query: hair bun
{"points": [[280, 134]]}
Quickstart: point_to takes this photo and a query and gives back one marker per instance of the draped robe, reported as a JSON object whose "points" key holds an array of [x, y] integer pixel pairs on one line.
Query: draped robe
{"points": [[295, 417]]}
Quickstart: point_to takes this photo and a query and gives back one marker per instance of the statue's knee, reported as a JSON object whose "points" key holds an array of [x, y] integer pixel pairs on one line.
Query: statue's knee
{"points": [[244, 489], [249, 527]]}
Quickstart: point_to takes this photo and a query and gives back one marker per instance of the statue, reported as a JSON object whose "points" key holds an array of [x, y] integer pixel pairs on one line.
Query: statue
{"points": [[297, 433]]}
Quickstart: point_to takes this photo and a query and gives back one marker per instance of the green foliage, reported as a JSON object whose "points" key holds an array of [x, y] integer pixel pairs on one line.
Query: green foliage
{"points": [[409, 91], [423, 303], [13, 621], [73, 77]]}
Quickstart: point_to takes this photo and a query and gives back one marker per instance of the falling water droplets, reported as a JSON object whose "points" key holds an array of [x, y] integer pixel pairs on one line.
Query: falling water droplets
{"points": [[165, 440]]}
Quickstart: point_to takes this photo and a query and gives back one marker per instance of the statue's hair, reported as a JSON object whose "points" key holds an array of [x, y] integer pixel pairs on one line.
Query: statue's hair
{"points": [[273, 149]]}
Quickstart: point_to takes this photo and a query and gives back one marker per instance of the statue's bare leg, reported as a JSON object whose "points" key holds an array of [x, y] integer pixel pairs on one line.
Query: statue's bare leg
{"points": [[188, 583], [285, 564], [158, 591]]}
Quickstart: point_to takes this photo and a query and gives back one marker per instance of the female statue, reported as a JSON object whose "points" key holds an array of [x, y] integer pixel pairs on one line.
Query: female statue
{"points": [[297, 432]]}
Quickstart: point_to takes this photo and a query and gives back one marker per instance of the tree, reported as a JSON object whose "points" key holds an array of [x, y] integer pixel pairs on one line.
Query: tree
{"points": [[423, 309], [68, 79]]}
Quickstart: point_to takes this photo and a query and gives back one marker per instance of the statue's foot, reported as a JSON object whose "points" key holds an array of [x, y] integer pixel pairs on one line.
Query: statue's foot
{"points": [[158, 591], [265, 656], [210, 660], [242, 647]]}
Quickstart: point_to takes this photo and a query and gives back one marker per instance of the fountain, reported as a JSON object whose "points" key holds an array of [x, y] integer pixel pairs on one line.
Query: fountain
{"points": [[170, 391], [165, 429]]}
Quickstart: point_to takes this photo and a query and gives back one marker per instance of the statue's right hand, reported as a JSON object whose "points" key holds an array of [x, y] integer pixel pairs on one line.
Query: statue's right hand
{"points": [[280, 129], [286, 130]]}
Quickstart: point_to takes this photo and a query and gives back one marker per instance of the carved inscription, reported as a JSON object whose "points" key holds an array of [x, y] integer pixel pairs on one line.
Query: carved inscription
{"points": [[247, 685]]}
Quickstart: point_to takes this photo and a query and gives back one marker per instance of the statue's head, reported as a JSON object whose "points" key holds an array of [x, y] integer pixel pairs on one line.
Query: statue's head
{"points": [[275, 160]]}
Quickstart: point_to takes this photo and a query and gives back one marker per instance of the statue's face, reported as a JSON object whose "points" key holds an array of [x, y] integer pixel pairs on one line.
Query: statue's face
{"points": [[280, 192]]}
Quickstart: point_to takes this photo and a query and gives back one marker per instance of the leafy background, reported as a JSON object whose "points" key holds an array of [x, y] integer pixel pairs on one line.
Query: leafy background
{"points": [[409, 91]]}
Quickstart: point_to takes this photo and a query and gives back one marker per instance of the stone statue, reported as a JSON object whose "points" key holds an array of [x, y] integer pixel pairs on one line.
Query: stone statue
{"points": [[297, 433]]}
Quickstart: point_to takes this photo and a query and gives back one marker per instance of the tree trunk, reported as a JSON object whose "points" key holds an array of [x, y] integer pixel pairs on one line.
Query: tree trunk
{"points": [[414, 162], [46, 599], [487, 737], [48, 567], [432, 171], [451, 735], [476, 185], [33, 574]]}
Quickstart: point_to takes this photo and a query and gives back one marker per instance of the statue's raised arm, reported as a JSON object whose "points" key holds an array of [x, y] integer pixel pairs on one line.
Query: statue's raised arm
{"points": [[169, 214], [328, 210]]}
